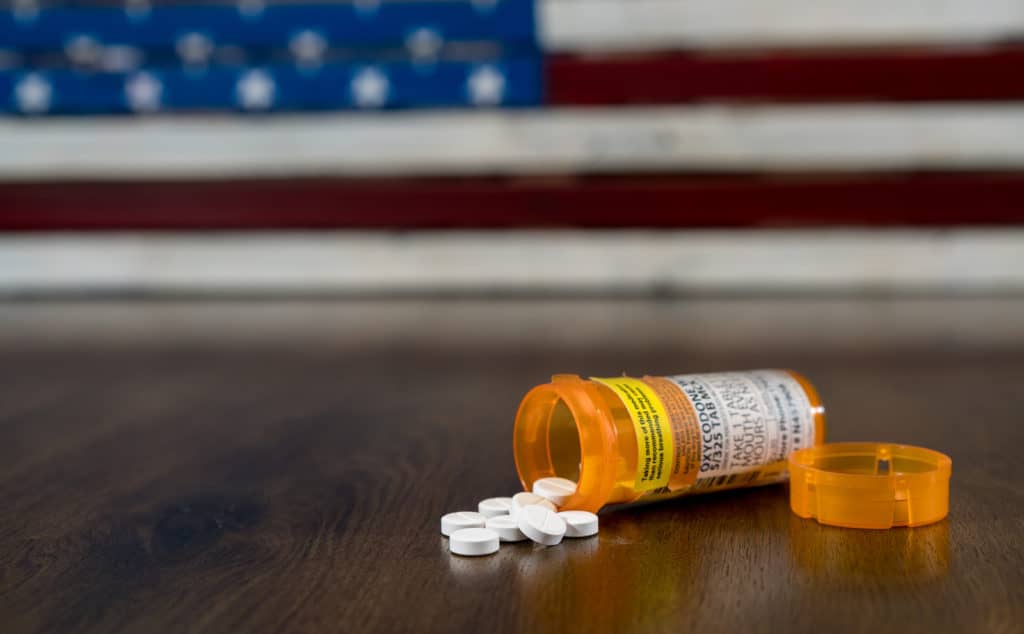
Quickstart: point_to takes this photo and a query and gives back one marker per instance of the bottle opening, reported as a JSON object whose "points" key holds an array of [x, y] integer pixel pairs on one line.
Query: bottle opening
{"points": [[548, 437], [564, 442], [562, 430]]}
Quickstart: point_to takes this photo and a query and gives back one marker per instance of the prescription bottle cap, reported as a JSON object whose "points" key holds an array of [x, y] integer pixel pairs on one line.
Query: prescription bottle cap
{"points": [[869, 484]]}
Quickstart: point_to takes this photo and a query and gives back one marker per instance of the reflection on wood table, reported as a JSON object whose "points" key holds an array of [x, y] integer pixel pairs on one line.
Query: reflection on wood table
{"points": [[219, 467]]}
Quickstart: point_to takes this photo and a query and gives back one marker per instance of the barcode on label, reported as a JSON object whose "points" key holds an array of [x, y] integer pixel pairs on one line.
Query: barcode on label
{"points": [[736, 479]]}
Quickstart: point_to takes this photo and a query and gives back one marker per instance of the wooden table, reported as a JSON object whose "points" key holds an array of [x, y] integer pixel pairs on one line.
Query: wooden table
{"points": [[281, 467]]}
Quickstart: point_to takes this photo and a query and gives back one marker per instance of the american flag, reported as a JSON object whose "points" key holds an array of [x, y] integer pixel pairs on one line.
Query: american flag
{"points": [[73, 58], [509, 113]]}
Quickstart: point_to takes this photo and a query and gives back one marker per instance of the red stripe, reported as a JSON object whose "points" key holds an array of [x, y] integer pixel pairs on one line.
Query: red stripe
{"points": [[654, 201], [916, 75]]}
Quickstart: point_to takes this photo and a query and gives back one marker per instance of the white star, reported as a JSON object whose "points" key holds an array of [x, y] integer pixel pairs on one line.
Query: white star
{"points": [[424, 44], [143, 92], [308, 47], [370, 88], [26, 10], [33, 93], [137, 9], [486, 86], [194, 48], [255, 90], [120, 58], [251, 8], [83, 50]]}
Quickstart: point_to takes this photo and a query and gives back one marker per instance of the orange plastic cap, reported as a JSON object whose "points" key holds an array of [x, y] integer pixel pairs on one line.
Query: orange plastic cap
{"points": [[869, 485]]}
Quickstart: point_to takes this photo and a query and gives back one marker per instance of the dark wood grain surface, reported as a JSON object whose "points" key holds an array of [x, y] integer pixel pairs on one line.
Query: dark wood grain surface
{"points": [[229, 467]]}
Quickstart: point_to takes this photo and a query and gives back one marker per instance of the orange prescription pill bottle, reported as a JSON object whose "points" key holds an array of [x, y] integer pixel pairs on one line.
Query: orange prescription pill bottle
{"points": [[625, 439]]}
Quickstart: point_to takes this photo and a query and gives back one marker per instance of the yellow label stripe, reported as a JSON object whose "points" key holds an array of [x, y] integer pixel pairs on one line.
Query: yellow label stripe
{"points": [[653, 431]]}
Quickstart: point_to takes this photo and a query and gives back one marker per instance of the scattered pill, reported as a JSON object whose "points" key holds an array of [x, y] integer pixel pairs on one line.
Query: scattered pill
{"points": [[524, 499], [493, 507], [557, 490], [525, 515], [506, 527], [541, 524], [461, 519], [579, 523], [473, 542]]}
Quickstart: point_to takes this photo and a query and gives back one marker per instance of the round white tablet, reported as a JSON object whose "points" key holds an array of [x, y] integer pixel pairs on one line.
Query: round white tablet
{"points": [[462, 519], [558, 490], [542, 525], [493, 507], [524, 499], [506, 527], [579, 523], [473, 542]]}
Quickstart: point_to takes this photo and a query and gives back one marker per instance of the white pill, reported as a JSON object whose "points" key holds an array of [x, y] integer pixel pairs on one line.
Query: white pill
{"points": [[506, 527], [542, 525], [524, 499], [462, 519], [473, 542], [493, 507], [579, 523], [558, 490]]}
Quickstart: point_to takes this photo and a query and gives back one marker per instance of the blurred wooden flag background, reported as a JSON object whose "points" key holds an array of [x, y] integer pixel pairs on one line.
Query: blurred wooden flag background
{"points": [[512, 114]]}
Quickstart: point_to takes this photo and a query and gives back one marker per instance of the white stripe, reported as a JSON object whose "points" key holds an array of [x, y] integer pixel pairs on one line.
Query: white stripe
{"points": [[572, 25], [514, 261], [775, 138]]}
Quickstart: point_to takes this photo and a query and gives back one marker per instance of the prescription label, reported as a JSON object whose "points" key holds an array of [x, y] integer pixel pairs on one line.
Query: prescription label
{"points": [[655, 447], [685, 432], [748, 423]]}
